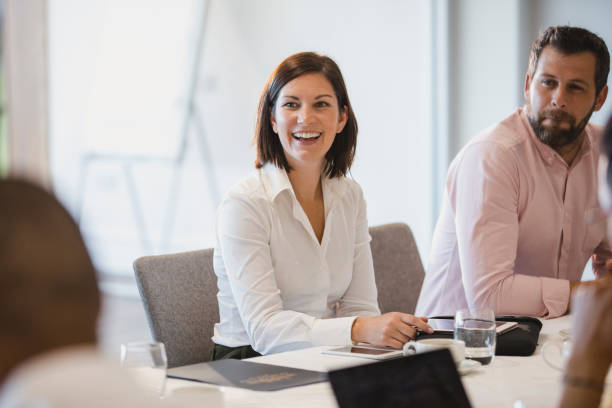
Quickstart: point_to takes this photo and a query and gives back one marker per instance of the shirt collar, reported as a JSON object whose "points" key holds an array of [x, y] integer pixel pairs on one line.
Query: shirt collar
{"points": [[547, 153], [332, 189], [276, 180]]}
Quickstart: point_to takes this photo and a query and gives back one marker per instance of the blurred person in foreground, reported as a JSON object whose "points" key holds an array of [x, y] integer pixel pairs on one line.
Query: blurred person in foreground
{"points": [[520, 219], [591, 355], [49, 304]]}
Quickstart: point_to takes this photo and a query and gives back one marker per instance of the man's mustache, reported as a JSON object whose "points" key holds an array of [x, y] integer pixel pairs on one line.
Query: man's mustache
{"points": [[557, 115]]}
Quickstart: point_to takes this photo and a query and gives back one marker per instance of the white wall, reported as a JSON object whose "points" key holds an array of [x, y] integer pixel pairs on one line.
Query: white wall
{"points": [[382, 48], [25, 110], [484, 66], [106, 54]]}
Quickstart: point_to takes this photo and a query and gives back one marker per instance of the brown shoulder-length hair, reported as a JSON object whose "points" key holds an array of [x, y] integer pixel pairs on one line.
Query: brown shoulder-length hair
{"points": [[340, 156]]}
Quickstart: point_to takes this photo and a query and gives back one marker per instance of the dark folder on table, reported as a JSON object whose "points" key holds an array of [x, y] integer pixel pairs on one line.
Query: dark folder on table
{"points": [[245, 374], [423, 380]]}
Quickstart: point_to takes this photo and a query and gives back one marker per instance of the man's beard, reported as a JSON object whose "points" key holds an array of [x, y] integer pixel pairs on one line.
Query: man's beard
{"points": [[554, 136]]}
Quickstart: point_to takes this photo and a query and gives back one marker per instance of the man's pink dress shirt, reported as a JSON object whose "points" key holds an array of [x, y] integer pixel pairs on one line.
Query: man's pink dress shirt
{"points": [[517, 224]]}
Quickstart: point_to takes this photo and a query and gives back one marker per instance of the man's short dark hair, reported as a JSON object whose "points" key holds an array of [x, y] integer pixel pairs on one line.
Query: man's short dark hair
{"points": [[340, 156], [572, 40]]}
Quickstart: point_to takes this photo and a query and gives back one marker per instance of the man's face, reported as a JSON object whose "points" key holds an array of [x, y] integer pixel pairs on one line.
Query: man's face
{"points": [[561, 96]]}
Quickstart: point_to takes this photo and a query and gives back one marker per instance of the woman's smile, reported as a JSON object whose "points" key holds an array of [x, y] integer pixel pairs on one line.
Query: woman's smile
{"points": [[306, 135]]}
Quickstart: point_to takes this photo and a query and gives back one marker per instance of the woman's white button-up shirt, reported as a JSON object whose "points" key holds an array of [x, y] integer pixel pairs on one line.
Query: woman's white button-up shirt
{"points": [[279, 288]]}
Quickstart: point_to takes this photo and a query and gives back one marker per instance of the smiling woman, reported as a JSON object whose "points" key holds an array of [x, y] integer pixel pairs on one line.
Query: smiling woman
{"points": [[306, 119], [283, 99], [293, 257]]}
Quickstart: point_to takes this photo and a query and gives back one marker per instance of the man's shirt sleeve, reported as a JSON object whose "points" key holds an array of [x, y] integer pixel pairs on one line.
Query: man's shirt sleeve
{"points": [[485, 197]]}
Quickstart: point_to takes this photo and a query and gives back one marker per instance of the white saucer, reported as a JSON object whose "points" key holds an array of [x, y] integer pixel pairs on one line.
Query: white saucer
{"points": [[467, 366]]}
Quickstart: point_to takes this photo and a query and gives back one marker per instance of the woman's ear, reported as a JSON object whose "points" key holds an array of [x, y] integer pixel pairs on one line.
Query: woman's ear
{"points": [[273, 122], [342, 120]]}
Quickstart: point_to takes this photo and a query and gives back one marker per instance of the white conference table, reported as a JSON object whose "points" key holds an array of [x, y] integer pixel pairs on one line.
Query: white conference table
{"points": [[499, 384]]}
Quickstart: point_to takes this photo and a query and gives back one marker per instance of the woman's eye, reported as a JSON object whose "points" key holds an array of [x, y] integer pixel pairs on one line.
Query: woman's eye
{"points": [[321, 104], [290, 105]]}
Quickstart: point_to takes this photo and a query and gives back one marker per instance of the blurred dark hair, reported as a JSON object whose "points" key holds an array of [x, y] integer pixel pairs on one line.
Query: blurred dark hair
{"points": [[572, 40], [340, 156], [48, 285]]}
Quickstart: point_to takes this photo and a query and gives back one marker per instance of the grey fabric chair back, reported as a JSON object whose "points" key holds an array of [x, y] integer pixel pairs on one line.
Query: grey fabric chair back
{"points": [[398, 269], [179, 292]]}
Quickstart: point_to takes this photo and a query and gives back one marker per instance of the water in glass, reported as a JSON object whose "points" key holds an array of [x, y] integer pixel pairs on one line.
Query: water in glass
{"points": [[477, 330]]}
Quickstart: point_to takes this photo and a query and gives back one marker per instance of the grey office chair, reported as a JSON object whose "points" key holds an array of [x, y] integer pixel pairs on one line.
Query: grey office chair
{"points": [[179, 292], [398, 269]]}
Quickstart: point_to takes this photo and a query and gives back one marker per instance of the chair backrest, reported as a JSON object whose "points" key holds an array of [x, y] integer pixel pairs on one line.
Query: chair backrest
{"points": [[398, 269], [179, 292]]}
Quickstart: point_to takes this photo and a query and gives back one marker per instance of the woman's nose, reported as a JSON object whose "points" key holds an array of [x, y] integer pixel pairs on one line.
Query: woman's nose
{"points": [[304, 114]]}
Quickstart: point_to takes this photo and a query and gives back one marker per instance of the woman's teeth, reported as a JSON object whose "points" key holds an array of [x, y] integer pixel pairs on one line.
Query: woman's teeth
{"points": [[306, 135]]}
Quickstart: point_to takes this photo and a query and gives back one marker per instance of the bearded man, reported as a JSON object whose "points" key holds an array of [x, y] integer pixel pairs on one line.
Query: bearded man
{"points": [[520, 217]]}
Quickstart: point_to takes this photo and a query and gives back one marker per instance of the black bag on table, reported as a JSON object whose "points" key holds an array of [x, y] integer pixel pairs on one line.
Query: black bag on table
{"points": [[520, 341]]}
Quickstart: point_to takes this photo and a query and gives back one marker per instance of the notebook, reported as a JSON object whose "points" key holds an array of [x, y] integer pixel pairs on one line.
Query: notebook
{"points": [[245, 374], [422, 380]]}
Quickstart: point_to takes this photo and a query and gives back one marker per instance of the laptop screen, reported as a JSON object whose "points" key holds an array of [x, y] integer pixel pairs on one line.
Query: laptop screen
{"points": [[423, 380]]}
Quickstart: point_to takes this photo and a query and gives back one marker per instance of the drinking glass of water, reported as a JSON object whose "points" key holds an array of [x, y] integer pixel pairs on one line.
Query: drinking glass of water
{"points": [[476, 328], [147, 363]]}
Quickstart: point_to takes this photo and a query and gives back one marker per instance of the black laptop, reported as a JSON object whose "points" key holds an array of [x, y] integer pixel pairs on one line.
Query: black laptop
{"points": [[422, 380]]}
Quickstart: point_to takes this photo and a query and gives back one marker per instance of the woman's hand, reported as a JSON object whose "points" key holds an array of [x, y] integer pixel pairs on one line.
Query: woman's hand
{"points": [[390, 329]]}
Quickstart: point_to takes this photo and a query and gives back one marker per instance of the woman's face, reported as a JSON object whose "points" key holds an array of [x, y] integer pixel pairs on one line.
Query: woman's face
{"points": [[306, 118]]}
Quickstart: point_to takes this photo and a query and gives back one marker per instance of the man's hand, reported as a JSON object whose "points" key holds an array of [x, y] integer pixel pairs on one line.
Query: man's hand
{"points": [[390, 329], [602, 267]]}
